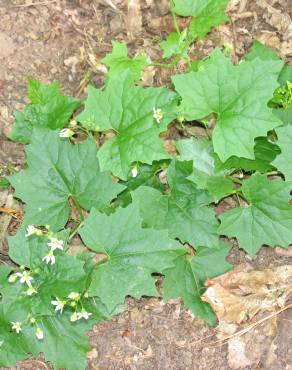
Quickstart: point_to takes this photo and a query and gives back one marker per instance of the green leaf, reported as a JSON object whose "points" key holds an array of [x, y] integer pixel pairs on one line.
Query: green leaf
{"points": [[285, 75], [283, 161], [208, 14], [28, 252], [64, 343], [285, 115], [186, 279], [267, 219], [133, 254], [128, 110], [58, 171], [48, 108], [238, 95], [265, 152], [118, 61], [183, 211], [205, 173], [262, 51], [4, 183], [174, 45], [146, 177]]}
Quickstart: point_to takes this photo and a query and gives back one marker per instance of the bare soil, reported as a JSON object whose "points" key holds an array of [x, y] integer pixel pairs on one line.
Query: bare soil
{"points": [[53, 40]]}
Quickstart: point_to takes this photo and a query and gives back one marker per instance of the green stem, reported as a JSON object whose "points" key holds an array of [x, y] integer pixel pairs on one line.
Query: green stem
{"points": [[174, 17], [78, 208], [75, 230], [236, 180]]}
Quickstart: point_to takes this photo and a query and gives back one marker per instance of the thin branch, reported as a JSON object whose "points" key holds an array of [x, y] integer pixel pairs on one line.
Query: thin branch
{"points": [[35, 4]]}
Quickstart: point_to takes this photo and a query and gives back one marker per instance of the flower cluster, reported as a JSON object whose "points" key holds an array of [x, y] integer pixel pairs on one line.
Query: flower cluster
{"points": [[53, 243], [157, 115], [73, 301], [24, 278], [17, 326]]}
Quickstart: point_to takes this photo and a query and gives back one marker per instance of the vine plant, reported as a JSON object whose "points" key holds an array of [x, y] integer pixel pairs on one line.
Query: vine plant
{"points": [[112, 197]]}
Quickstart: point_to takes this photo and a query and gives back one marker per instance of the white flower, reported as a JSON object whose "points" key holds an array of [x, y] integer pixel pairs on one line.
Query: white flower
{"points": [[12, 278], [59, 304], [24, 277], [39, 333], [32, 320], [134, 171], [56, 244], [157, 115], [16, 326], [74, 317], [31, 230], [74, 296], [31, 290], [83, 314], [66, 132], [50, 258]]}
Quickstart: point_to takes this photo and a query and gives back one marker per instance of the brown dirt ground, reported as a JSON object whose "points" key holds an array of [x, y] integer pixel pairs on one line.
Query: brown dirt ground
{"points": [[51, 41]]}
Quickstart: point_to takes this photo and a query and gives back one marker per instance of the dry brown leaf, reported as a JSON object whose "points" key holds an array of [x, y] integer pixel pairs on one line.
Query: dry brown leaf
{"points": [[284, 252], [241, 293], [170, 147], [247, 350], [148, 76], [133, 19]]}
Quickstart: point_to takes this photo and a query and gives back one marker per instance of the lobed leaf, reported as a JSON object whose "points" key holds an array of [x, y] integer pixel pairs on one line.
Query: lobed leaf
{"points": [[186, 279], [183, 211], [132, 254], [118, 61], [238, 95], [128, 110], [57, 172], [267, 219], [48, 108]]}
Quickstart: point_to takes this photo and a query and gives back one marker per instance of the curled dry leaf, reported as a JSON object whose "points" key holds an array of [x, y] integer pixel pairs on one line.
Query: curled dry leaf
{"points": [[243, 292], [133, 19], [248, 350]]}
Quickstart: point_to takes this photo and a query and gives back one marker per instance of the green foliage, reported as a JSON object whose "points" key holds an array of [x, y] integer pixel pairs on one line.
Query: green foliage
{"points": [[259, 50], [282, 97], [265, 152], [175, 44], [238, 95], [266, 219], [186, 278], [146, 176], [206, 15], [205, 169], [57, 172], [4, 183], [118, 61], [128, 110], [183, 211], [157, 215], [283, 161], [132, 255], [35, 312], [48, 108]]}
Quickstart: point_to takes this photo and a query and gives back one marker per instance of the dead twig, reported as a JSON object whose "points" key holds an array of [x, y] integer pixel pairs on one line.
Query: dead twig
{"points": [[35, 4], [10, 211], [250, 327]]}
